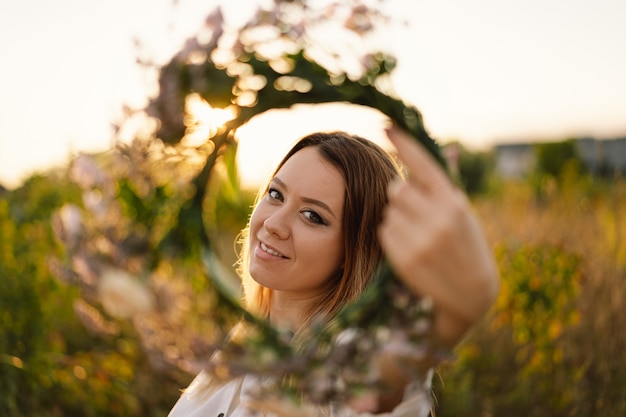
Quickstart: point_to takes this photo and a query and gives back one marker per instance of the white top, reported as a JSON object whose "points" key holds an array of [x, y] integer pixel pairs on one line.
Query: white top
{"points": [[232, 400]]}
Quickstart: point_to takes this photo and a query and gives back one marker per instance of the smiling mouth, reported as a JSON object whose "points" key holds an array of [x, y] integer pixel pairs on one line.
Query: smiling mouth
{"points": [[271, 251]]}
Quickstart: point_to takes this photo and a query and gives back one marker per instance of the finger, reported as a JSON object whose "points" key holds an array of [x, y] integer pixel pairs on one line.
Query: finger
{"points": [[402, 238], [404, 225], [364, 402], [423, 170], [429, 264], [414, 246], [418, 265], [409, 198]]}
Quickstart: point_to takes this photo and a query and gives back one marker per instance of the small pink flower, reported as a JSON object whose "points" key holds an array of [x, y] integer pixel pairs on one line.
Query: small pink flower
{"points": [[214, 23], [86, 173]]}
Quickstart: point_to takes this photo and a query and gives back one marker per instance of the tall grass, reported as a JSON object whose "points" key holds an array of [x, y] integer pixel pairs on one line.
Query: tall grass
{"points": [[554, 344]]}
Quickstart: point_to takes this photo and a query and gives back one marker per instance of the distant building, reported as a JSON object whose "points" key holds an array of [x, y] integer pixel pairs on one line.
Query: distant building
{"points": [[514, 160], [602, 156], [599, 156]]}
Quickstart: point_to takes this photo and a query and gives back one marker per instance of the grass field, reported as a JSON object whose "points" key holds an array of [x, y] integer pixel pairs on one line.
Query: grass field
{"points": [[555, 342]]}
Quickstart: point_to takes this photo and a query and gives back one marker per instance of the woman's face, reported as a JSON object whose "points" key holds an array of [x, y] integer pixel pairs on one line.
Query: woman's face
{"points": [[296, 233]]}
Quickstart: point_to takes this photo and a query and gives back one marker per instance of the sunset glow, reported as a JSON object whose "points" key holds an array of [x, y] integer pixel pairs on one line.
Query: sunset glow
{"points": [[202, 120], [481, 72]]}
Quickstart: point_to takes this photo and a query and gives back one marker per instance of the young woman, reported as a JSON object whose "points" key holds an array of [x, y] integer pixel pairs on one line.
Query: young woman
{"points": [[335, 204]]}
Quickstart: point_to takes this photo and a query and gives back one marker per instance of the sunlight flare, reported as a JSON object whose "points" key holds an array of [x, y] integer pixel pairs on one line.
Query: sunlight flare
{"points": [[202, 120]]}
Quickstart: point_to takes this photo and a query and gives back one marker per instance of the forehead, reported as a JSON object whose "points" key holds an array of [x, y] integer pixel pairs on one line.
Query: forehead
{"points": [[314, 176]]}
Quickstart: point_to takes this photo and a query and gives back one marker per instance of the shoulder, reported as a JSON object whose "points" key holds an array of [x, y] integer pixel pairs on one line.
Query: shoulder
{"points": [[417, 400], [205, 397]]}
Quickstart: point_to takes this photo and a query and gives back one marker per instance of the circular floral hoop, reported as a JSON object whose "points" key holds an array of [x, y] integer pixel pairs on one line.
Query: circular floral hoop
{"points": [[336, 363]]}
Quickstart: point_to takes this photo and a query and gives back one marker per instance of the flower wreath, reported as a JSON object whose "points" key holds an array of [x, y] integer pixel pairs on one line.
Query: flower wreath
{"points": [[335, 363]]}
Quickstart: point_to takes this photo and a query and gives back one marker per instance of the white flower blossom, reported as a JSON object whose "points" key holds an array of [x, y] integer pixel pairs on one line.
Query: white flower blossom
{"points": [[122, 295], [71, 222]]}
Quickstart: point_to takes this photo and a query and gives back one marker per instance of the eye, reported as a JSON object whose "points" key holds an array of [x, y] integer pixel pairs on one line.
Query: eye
{"points": [[274, 194], [313, 217]]}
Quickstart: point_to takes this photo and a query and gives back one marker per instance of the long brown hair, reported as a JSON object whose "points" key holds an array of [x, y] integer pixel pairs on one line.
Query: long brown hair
{"points": [[367, 170]]}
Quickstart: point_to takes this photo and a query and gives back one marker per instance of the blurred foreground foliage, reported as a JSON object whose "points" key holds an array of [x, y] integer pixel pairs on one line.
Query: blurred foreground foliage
{"points": [[50, 365], [58, 355], [553, 345]]}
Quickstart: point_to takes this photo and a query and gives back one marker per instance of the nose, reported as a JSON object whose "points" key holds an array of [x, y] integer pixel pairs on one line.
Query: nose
{"points": [[277, 224]]}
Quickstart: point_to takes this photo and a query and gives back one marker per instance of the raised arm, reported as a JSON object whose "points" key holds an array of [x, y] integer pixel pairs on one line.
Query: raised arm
{"points": [[435, 244]]}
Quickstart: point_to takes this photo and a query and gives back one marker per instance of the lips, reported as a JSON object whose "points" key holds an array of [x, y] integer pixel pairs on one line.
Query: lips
{"points": [[271, 251]]}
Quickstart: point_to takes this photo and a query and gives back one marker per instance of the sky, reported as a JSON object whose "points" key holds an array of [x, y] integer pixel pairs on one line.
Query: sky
{"points": [[481, 72]]}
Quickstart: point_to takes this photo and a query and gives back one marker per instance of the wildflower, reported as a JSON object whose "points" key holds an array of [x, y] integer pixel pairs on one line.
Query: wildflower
{"points": [[122, 296], [91, 318], [86, 173], [71, 220], [67, 224], [215, 25]]}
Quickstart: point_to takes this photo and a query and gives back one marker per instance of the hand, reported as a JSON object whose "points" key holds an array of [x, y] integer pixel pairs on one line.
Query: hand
{"points": [[435, 244], [393, 375]]}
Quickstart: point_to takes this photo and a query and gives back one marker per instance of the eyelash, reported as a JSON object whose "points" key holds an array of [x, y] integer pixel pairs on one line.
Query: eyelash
{"points": [[311, 215], [270, 193]]}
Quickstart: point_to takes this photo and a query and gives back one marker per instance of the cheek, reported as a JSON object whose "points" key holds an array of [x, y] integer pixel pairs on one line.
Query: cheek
{"points": [[256, 220], [332, 251]]}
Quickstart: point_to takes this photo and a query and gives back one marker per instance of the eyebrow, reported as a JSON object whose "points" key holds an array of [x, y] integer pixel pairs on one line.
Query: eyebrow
{"points": [[307, 199]]}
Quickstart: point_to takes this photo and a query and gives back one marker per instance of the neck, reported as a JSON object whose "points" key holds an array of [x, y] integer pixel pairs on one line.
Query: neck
{"points": [[287, 312]]}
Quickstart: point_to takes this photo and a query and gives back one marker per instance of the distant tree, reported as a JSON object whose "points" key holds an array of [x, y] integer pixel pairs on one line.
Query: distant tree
{"points": [[470, 168], [555, 158]]}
